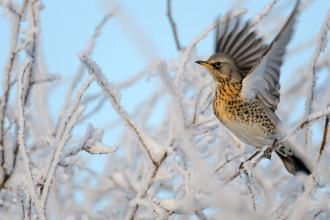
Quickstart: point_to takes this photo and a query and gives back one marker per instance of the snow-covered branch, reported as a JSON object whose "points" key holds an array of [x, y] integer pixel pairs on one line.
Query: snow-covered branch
{"points": [[22, 141], [320, 47], [154, 152]]}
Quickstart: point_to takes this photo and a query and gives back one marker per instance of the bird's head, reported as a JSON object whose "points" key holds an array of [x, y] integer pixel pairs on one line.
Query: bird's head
{"points": [[222, 68]]}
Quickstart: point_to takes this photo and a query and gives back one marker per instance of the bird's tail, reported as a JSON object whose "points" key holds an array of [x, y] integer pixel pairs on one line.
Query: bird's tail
{"points": [[292, 162]]}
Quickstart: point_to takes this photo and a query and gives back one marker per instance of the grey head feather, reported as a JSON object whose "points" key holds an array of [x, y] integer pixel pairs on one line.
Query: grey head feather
{"points": [[228, 68]]}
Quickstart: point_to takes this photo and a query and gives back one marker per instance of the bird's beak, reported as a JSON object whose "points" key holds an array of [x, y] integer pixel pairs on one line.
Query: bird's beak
{"points": [[203, 63]]}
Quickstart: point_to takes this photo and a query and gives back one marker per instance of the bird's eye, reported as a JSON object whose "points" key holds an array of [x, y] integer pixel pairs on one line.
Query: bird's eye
{"points": [[217, 64]]}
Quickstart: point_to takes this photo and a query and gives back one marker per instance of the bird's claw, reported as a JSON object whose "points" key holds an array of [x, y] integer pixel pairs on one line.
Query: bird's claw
{"points": [[241, 165], [244, 170], [268, 153]]}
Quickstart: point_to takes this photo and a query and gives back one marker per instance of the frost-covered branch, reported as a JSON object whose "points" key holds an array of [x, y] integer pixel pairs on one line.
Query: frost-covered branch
{"points": [[251, 191], [88, 51], [62, 136], [21, 139], [267, 9], [31, 47], [7, 70], [153, 151], [92, 142], [49, 78], [320, 47]]}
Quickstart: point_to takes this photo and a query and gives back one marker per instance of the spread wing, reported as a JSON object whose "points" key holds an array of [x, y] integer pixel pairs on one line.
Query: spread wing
{"points": [[262, 82], [240, 43]]}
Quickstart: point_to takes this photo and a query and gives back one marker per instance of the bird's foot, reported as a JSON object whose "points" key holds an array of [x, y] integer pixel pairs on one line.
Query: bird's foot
{"points": [[268, 153], [241, 166], [243, 169]]}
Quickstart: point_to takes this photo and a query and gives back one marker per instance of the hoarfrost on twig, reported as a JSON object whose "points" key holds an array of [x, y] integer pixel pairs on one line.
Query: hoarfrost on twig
{"points": [[320, 47]]}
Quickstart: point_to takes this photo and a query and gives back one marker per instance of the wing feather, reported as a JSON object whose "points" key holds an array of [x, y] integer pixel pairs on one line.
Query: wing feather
{"points": [[240, 43], [239, 39], [262, 81], [231, 37]]}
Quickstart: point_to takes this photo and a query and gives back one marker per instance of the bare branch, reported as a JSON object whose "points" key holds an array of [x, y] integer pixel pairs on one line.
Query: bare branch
{"points": [[169, 15], [325, 134]]}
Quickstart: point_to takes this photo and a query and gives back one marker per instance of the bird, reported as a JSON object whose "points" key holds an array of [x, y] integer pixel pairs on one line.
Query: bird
{"points": [[246, 72]]}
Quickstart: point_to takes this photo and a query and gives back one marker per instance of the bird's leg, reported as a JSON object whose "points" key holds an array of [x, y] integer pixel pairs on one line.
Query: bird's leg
{"points": [[250, 158], [268, 151]]}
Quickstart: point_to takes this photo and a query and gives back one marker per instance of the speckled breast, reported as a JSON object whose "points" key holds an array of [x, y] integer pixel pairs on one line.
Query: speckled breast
{"points": [[242, 116]]}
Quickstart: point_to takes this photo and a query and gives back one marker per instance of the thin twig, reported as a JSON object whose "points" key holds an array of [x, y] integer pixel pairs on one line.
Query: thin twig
{"points": [[99, 105], [227, 161], [63, 133], [196, 99], [325, 135], [132, 213], [265, 11], [251, 191], [49, 78], [32, 51], [169, 15], [15, 152]]}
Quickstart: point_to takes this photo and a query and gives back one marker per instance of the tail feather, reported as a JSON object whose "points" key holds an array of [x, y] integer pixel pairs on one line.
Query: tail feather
{"points": [[291, 162], [300, 165]]}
